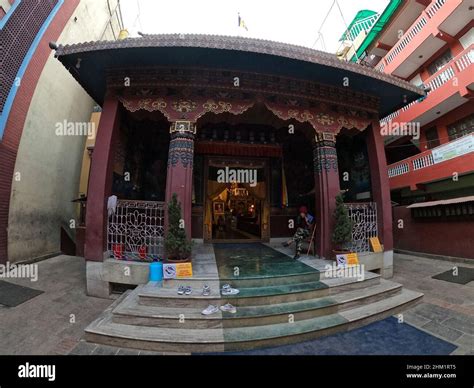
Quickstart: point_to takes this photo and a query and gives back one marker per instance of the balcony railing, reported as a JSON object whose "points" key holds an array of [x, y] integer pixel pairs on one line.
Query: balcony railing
{"points": [[136, 230], [413, 31], [458, 147], [407, 38], [438, 79], [399, 169], [361, 25]]}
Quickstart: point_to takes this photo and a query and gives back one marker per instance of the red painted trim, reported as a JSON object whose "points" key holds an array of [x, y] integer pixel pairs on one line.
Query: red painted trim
{"points": [[100, 180], [444, 170], [436, 97], [431, 28], [16, 120], [380, 184]]}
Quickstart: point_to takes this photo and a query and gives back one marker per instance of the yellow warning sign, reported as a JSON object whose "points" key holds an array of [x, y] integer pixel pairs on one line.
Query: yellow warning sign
{"points": [[375, 243], [184, 270]]}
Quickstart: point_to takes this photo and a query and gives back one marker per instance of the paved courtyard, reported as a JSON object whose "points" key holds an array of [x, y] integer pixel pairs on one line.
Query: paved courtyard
{"points": [[53, 322]]}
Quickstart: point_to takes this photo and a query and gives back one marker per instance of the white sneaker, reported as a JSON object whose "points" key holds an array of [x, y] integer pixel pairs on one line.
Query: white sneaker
{"points": [[229, 308], [211, 309], [228, 290]]}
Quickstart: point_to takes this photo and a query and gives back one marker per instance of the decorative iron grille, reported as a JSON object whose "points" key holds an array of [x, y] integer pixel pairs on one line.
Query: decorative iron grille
{"points": [[136, 231], [364, 217]]}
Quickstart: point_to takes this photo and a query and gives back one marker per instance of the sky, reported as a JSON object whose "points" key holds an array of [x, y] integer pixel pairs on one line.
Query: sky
{"points": [[290, 21]]}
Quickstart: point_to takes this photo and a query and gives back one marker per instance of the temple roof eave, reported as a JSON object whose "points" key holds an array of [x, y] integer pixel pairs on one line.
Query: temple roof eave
{"points": [[88, 63]]}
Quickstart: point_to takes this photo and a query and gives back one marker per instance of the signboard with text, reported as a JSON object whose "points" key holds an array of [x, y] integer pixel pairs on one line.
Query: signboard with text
{"points": [[177, 270], [453, 149], [347, 259], [375, 244]]}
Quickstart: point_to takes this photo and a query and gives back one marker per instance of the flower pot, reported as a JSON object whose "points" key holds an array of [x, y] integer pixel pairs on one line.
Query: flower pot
{"points": [[117, 250], [178, 260], [142, 252]]}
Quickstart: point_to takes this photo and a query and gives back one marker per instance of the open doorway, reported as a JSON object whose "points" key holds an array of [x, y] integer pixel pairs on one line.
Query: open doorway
{"points": [[235, 199]]}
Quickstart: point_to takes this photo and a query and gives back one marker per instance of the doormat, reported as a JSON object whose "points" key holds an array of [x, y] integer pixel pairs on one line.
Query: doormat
{"points": [[12, 295], [464, 275]]}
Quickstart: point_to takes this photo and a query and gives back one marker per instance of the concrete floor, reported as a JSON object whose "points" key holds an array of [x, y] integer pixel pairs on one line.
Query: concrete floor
{"points": [[53, 322]]}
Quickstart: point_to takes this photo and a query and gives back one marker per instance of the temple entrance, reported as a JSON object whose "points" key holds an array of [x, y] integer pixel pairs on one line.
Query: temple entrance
{"points": [[236, 192]]}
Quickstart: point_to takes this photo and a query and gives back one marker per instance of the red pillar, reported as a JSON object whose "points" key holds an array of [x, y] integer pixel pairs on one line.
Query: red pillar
{"points": [[100, 181], [179, 178], [380, 184], [326, 188]]}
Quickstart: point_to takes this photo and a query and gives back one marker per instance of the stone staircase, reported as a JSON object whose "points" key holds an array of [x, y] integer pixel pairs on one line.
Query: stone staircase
{"points": [[271, 311]]}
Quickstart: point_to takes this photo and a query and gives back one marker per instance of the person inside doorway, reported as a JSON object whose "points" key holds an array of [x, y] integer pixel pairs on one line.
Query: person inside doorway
{"points": [[303, 230]]}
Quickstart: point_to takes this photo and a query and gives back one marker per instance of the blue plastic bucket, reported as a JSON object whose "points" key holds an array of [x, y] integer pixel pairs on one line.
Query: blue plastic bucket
{"points": [[156, 271]]}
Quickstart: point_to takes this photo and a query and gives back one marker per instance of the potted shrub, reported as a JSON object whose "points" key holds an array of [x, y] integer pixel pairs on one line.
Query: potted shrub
{"points": [[177, 246], [342, 235]]}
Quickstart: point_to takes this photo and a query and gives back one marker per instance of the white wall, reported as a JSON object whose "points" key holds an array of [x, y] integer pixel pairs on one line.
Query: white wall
{"points": [[50, 165]]}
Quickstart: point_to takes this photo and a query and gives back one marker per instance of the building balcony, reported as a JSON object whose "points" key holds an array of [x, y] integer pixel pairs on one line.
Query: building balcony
{"points": [[449, 88], [436, 164], [436, 25]]}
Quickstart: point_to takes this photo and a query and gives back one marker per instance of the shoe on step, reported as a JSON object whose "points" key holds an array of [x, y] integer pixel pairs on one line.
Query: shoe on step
{"points": [[206, 290], [297, 256], [188, 290], [228, 308], [228, 290], [181, 290], [211, 309]]}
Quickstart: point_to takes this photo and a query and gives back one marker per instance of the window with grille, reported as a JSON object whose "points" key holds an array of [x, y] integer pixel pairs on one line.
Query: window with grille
{"points": [[461, 127]]}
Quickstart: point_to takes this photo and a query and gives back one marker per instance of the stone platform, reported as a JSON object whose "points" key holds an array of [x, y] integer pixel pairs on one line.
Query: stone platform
{"points": [[281, 301]]}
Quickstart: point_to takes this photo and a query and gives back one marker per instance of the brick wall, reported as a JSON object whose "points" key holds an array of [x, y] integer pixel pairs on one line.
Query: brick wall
{"points": [[448, 237], [16, 119]]}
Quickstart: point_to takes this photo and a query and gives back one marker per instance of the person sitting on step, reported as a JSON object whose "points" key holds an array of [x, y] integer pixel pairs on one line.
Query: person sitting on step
{"points": [[303, 227]]}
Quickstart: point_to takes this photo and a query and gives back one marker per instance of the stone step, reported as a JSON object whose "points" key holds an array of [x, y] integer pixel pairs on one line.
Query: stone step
{"points": [[248, 296], [244, 281], [218, 339], [282, 334], [132, 313], [153, 295]]}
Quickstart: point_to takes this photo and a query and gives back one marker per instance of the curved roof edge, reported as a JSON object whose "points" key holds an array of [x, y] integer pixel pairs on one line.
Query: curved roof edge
{"points": [[236, 43]]}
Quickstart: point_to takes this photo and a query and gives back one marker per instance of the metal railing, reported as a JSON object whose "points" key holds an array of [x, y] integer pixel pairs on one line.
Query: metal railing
{"points": [[361, 25], [415, 29], [364, 218], [423, 161], [434, 7], [136, 230], [417, 162], [441, 77], [398, 169]]}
